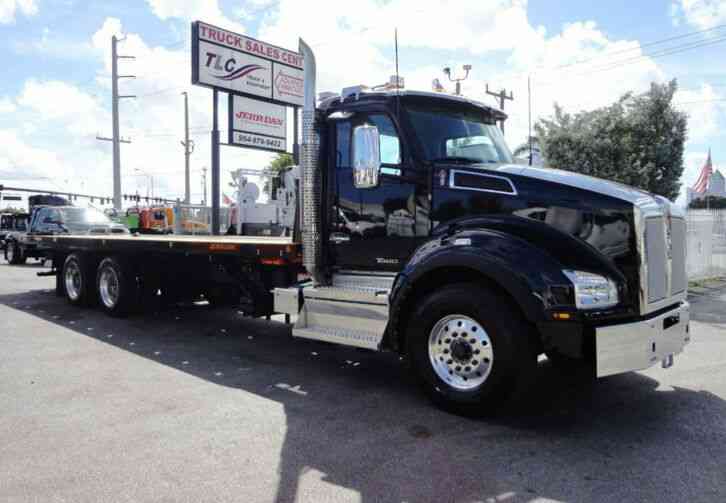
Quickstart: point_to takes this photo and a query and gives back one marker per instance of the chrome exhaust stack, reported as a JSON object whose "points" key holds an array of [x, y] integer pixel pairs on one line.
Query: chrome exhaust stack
{"points": [[310, 171]]}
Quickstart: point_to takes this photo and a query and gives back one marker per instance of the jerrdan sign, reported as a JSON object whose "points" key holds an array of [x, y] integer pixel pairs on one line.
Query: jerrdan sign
{"points": [[257, 124]]}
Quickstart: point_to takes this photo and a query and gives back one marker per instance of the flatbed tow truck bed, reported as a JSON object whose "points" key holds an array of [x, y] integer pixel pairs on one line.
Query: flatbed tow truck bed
{"points": [[120, 272], [253, 247]]}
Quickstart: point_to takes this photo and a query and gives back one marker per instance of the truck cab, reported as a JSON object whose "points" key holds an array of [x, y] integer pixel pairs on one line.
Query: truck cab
{"points": [[428, 240], [375, 220]]}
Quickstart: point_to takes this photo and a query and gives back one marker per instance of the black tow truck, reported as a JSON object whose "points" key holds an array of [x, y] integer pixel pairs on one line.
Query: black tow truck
{"points": [[417, 234], [10, 224]]}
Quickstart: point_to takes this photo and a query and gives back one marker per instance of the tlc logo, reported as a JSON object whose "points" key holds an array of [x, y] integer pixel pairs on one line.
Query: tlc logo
{"points": [[227, 69]]}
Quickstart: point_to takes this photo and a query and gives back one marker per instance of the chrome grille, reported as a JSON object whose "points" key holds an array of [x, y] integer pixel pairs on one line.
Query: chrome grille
{"points": [[661, 237], [679, 280], [655, 256]]}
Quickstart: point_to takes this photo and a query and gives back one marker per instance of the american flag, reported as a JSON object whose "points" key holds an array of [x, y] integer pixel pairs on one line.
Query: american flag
{"points": [[702, 183]]}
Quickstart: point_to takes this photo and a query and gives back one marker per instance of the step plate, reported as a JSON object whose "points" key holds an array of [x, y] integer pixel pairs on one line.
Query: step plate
{"points": [[343, 322], [344, 337], [333, 293]]}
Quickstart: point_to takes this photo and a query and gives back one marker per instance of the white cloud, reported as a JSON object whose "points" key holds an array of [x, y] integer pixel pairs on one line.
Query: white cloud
{"points": [[66, 105], [7, 105], [192, 10], [9, 9], [20, 161], [55, 45], [703, 14], [350, 50], [495, 36], [102, 38], [705, 109]]}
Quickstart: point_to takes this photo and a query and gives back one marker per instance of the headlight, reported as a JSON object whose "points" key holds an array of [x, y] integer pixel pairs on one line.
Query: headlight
{"points": [[592, 291]]}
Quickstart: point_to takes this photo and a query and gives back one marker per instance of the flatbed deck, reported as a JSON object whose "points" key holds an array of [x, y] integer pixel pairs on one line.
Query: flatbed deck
{"points": [[245, 246]]}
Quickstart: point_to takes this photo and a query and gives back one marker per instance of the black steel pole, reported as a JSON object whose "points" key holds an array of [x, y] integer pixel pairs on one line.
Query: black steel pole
{"points": [[295, 141], [215, 168]]}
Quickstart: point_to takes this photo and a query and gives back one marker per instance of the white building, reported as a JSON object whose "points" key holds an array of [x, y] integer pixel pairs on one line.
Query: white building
{"points": [[709, 183]]}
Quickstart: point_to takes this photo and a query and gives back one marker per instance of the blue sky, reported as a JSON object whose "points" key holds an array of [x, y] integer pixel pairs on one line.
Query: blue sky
{"points": [[54, 90]]}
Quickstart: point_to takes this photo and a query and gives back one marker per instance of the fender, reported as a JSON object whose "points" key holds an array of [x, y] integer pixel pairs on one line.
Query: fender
{"points": [[523, 257]]}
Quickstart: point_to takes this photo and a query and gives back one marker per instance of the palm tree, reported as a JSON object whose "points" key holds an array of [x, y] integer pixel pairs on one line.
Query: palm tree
{"points": [[522, 151]]}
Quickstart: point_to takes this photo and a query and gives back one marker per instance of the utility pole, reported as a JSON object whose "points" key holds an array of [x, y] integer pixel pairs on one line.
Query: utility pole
{"points": [[188, 149], [501, 95], [116, 138], [447, 72], [215, 164], [204, 186]]}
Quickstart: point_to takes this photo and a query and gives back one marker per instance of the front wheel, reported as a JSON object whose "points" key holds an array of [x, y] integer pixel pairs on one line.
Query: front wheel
{"points": [[14, 254], [470, 349]]}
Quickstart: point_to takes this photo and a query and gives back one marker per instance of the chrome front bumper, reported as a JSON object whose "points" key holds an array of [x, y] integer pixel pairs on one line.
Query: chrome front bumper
{"points": [[642, 344]]}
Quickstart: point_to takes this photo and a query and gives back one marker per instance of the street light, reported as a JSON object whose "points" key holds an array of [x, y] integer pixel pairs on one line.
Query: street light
{"points": [[150, 181]]}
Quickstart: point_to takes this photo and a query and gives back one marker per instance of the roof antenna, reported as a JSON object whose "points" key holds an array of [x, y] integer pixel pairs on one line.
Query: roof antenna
{"points": [[529, 114], [398, 79], [395, 41]]}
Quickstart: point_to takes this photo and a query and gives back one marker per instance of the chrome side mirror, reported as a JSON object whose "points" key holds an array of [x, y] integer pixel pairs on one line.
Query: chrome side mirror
{"points": [[366, 156]]}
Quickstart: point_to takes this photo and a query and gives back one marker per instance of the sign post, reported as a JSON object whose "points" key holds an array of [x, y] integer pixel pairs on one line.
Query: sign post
{"points": [[215, 165]]}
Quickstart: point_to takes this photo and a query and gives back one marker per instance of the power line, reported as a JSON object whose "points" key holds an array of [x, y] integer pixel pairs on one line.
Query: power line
{"points": [[640, 46], [700, 101], [160, 91], [653, 55], [697, 89], [658, 53]]}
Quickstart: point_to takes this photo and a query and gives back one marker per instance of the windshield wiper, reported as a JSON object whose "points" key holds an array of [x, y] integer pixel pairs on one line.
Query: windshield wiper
{"points": [[466, 160]]}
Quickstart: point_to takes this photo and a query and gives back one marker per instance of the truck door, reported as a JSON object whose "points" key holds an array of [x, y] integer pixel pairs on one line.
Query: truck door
{"points": [[370, 228]]}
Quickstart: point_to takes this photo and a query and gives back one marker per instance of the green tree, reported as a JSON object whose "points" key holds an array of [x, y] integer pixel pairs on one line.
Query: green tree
{"points": [[13, 210], [638, 140], [280, 163]]}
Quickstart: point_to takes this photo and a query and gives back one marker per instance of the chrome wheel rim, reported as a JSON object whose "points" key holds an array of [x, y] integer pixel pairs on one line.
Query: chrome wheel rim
{"points": [[108, 287], [10, 252], [461, 352], [73, 280]]}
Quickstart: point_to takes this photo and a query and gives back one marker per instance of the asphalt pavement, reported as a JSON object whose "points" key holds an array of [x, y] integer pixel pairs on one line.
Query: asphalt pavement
{"points": [[196, 405]]}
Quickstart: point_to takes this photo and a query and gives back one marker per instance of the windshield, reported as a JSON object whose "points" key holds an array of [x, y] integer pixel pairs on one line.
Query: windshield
{"points": [[458, 134], [84, 216]]}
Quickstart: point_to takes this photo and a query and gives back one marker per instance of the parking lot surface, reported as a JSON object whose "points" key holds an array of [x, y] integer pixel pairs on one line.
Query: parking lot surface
{"points": [[196, 405]]}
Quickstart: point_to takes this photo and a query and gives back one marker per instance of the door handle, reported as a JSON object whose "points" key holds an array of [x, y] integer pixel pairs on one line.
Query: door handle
{"points": [[337, 237]]}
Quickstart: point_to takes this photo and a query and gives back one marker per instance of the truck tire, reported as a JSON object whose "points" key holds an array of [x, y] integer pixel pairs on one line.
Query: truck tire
{"points": [[77, 278], [471, 351], [14, 253], [118, 290]]}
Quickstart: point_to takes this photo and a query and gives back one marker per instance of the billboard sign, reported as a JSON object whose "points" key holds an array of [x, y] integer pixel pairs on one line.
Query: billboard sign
{"points": [[257, 124], [235, 63]]}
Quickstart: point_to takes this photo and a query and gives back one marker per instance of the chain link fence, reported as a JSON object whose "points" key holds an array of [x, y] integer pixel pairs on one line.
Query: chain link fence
{"points": [[706, 244]]}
